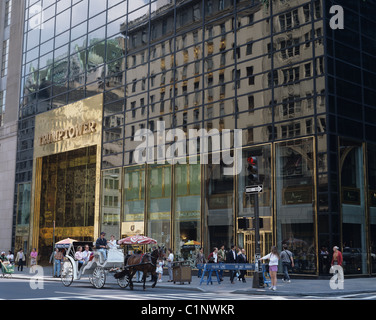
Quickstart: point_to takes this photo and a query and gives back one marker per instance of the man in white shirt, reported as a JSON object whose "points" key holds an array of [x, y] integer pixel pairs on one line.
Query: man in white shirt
{"points": [[86, 254], [170, 259]]}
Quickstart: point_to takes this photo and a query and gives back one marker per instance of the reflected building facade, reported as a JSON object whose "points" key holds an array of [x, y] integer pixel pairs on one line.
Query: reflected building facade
{"points": [[273, 69], [11, 36]]}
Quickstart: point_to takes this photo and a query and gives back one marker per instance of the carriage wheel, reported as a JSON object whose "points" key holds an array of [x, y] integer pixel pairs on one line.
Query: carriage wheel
{"points": [[99, 277], [67, 273], [123, 282]]}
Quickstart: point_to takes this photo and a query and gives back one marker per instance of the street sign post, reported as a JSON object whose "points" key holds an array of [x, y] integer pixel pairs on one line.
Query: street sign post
{"points": [[254, 189]]}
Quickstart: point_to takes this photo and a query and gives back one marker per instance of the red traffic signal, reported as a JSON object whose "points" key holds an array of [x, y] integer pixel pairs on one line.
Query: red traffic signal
{"points": [[252, 161], [252, 170]]}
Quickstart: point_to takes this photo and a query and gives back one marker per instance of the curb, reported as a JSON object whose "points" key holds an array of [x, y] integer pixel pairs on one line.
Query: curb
{"points": [[333, 293]]}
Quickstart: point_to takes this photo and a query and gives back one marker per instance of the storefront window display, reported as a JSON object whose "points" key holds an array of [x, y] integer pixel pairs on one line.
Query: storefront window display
{"points": [[187, 202], [295, 202], [159, 203], [353, 207]]}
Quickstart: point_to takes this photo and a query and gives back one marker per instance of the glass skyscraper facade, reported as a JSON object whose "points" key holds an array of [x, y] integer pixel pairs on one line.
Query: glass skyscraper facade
{"points": [[300, 92]]}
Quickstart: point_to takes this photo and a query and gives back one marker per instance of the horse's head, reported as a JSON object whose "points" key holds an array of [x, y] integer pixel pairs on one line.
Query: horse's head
{"points": [[158, 253], [161, 253]]}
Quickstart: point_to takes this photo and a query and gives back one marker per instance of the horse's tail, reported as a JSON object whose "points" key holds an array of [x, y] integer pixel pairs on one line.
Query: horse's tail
{"points": [[121, 274], [125, 272]]}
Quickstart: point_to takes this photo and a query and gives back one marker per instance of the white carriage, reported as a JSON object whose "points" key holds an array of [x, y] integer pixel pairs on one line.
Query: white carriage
{"points": [[96, 268]]}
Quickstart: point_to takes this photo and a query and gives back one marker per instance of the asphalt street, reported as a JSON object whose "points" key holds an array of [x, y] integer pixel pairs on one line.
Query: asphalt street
{"points": [[298, 288], [181, 300]]}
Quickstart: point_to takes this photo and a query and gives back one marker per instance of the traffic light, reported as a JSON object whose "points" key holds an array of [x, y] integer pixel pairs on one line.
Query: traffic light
{"points": [[243, 223], [261, 223], [252, 170]]}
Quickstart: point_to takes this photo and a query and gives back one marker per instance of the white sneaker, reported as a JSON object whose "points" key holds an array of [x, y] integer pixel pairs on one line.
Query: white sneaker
{"points": [[274, 288]]}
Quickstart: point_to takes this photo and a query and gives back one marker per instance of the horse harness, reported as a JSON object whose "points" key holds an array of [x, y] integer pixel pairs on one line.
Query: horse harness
{"points": [[150, 260]]}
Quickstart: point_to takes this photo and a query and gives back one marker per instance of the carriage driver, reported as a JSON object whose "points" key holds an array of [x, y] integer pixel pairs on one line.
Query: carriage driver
{"points": [[101, 245]]}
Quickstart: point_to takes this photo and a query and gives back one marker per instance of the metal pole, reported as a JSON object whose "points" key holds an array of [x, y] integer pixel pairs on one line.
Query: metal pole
{"points": [[256, 281], [53, 249]]}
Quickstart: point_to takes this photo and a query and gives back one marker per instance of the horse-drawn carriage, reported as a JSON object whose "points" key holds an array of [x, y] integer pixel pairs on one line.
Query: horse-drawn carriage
{"points": [[97, 267]]}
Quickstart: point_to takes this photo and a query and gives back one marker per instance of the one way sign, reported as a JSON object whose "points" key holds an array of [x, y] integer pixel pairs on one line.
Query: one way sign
{"points": [[253, 189]]}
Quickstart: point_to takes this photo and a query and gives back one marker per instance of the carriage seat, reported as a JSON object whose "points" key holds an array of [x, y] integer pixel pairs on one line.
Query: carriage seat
{"points": [[115, 255], [99, 257]]}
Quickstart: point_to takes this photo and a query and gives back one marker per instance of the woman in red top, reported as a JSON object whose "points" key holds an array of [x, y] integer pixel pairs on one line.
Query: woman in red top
{"points": [[337, 257]]}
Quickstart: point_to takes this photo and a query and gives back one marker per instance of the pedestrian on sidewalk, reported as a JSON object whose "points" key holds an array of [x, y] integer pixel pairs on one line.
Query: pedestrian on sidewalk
{"points": [[170, 259], [231, 258], [337, 257], [200, 259], [287, 263], [241, 258], [3, 258], [58, 258], [324, 260], [221, 259], [273, 258], [10, 257], [159, 269], [33, 257], [20, 259], [213, 256]]}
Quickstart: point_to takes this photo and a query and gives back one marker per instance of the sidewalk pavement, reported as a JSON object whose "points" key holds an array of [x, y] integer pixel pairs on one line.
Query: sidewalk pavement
{"points": [[311, 287]]}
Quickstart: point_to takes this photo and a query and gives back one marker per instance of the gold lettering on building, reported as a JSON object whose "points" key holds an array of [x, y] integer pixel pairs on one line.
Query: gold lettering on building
{"points": [[68, 133]]}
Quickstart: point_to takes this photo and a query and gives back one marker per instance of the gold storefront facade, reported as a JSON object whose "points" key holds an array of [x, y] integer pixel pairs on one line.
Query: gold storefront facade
{"points": [[66, 175]]}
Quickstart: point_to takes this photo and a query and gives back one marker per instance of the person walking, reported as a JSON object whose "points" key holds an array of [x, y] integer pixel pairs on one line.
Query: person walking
{"points": [[241, 258], [58, 258], [287, 263], [159, 269], [213, 256], [231, 258], [324, 260], [33, 257], [337, 257], [3, 256], [273, 258], [20, 259], [170, 259], [200, 259], [221, 259], [10, 257], [3, 259]]}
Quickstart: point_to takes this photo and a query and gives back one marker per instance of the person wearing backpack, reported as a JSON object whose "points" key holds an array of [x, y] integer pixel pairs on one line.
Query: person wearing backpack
{"points": [[287, 263]]}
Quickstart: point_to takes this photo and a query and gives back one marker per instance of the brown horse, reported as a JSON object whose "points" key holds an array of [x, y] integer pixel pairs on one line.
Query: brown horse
{"points": [[141, 262]]}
